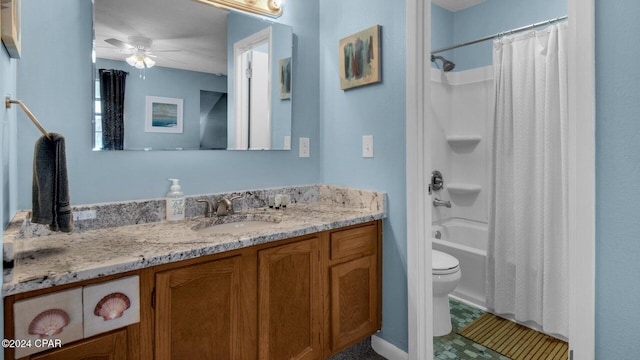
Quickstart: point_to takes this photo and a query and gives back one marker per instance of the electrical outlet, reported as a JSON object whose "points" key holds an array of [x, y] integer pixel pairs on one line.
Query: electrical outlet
{"points": [[367, 146], [304, 148], [84, 215]]}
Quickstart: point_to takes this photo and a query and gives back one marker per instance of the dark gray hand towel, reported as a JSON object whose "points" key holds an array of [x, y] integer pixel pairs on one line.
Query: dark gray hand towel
{"points": [[50, 195]]}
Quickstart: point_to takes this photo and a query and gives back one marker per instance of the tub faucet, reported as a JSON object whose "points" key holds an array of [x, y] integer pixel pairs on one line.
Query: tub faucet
{"points": [[225, 206], [437, 202]]}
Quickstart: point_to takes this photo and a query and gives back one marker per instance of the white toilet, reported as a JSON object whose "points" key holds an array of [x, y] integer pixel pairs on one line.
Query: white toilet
{"points": [[446, 276]]}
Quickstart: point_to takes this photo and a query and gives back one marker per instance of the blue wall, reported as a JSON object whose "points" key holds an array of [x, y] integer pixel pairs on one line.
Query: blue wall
{"points": [[377, 110], [441, 32], [617, 175], [484, 19], [55, 81], [163, 82], [8, 162]]}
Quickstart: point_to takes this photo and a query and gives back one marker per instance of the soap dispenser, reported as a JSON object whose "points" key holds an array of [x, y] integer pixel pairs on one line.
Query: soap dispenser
{"points": [[175, 202]]}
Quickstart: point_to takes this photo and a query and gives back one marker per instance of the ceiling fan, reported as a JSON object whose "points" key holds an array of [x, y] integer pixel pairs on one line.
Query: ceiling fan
{"points": [[140, 49]]}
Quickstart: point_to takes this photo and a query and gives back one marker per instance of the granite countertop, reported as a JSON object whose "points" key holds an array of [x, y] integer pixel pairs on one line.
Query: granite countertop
{"points": [[46, 261]]}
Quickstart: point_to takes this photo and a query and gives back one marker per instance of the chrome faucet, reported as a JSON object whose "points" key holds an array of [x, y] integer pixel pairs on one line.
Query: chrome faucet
{"points": [[225, 206], [208, 207], [437, 202]]}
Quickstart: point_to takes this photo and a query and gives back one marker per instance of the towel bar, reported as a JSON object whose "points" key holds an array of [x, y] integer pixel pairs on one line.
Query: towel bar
{"points": [[33, 118]]}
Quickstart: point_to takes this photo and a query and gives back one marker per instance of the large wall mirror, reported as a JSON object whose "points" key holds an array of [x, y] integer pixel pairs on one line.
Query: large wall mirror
{"points": [[181, 75]]}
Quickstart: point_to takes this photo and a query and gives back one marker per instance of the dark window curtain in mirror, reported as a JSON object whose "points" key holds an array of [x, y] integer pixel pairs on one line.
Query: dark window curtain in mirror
{"points": [[112, 86]]}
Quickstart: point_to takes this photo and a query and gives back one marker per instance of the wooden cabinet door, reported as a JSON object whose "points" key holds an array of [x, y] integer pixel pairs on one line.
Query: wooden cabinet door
{"points": [[197, 311], [290, 307], [354, 301], [112, 346]]}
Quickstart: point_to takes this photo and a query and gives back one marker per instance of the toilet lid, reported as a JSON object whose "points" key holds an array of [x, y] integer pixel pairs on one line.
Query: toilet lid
{"points": [[443, 263]]}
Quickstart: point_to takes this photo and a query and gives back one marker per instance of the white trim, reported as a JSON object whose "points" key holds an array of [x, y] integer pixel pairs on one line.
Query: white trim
{"points": [[582, 178], [420, 309], [387, 349]]}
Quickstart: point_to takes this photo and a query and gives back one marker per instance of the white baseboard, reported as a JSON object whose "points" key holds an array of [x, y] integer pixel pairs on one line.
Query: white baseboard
{"points": [[387, 349]]}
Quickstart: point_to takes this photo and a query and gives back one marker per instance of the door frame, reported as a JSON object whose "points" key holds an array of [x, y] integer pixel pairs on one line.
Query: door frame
{"points": [[581, 179], [241, 98]]}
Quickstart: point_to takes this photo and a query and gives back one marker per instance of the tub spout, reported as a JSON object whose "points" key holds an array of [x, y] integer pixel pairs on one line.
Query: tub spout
{"points": [[437, 202]]}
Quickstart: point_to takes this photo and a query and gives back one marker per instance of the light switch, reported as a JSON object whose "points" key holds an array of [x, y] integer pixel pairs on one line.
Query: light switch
{"points": [[304, 147], [367, 146]]}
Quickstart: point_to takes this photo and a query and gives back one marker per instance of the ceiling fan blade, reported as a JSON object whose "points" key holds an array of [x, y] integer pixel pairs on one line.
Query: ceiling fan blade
{"points": [[119, 44]]}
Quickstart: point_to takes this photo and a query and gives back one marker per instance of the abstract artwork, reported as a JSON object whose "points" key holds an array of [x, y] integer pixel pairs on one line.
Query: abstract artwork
{"points": [[360, 58], [285, 78]]}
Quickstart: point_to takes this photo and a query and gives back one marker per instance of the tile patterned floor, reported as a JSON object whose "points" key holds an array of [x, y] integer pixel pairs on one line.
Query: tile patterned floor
{"points": [[448, 347], [456, 347]]}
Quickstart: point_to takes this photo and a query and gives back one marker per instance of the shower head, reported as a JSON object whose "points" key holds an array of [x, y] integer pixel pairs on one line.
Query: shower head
{"points": [[446, 64]]}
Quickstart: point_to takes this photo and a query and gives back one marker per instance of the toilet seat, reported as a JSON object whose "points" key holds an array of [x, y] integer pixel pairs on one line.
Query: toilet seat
{"points": [[443, 263]]}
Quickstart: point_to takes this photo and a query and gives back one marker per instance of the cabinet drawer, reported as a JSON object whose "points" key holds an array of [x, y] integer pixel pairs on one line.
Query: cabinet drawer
{"points": [[111, 305], [55, 316], [357, 241]]}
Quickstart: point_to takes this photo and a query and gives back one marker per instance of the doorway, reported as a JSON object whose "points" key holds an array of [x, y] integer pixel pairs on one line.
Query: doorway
{"points": [[581, 179], [251, 122]]}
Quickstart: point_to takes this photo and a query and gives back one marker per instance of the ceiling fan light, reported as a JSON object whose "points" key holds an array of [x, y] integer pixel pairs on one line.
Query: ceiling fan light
{"points": [[131, 60], [149, 62], [139, 64]]}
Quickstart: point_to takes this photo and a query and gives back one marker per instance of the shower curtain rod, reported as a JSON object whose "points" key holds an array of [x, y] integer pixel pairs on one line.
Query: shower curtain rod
{"points": [[508, 32]]}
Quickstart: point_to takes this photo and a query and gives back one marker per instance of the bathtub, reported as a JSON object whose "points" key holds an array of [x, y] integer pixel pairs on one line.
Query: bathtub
{"points": [[467, 241]]}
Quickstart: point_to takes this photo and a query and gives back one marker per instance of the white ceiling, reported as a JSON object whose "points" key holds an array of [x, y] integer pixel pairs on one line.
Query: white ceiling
{"points": [[197, 31], [455, 5]]}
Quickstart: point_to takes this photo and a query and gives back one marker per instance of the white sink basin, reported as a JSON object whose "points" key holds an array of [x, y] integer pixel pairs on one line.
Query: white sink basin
{"points": [[235, 224]]}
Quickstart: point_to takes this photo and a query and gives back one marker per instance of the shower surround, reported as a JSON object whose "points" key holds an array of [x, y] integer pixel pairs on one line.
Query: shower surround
{"points": [[462, 107]]}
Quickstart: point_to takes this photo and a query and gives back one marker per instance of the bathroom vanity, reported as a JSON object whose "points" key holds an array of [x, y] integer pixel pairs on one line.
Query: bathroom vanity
{"points": [[305, 286]]}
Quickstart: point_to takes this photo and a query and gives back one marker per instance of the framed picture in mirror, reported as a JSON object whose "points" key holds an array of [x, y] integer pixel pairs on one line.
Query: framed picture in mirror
{"points": [[163, 115], [285, 78]]}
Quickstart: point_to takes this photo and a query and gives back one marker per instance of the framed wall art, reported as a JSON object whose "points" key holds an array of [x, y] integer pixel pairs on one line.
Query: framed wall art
{"points": [[360, 58], [10, 25], [163, 115]]}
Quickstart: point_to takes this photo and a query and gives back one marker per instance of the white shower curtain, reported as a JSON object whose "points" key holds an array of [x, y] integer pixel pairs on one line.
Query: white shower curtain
{"points": [[528, 245]]}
